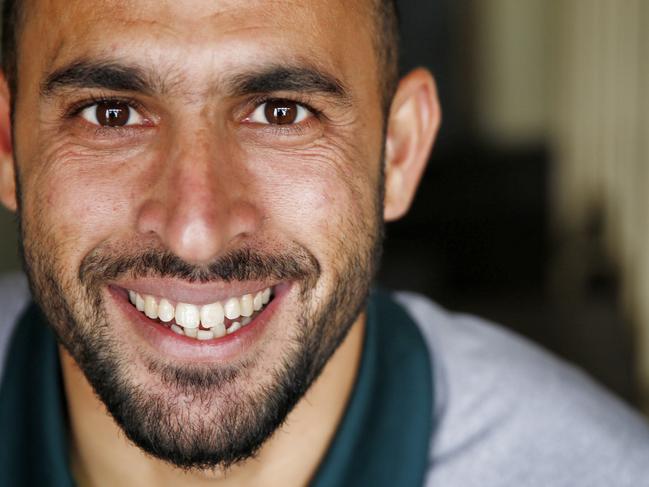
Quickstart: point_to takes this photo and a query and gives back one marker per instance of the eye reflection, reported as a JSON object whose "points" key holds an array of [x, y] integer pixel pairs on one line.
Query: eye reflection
{"points": [[280, 112], [111, 113]]}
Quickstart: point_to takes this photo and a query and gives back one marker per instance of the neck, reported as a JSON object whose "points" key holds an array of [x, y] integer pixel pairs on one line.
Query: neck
{"points": [[102, 456]]}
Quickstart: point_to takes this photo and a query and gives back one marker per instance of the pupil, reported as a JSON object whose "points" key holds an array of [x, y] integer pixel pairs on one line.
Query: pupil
{"points": [[112, 114], [281, 112]]}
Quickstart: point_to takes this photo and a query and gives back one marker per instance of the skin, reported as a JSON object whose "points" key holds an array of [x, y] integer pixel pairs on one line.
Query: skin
{"points": [[201, 177]]}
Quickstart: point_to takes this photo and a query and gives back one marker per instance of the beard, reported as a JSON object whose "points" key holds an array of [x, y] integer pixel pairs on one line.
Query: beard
{"points": [[200, 416]]}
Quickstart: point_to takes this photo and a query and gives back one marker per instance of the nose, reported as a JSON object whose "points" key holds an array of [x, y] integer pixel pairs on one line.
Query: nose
{"points": [[200, 203]]}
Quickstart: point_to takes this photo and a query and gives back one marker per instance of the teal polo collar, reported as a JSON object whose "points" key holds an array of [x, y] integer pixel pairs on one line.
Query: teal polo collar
{"points": [[383, 439], [33, 417]]}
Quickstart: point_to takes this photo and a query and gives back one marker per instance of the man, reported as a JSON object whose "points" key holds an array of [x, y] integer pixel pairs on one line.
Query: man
{"points": [[201, 188]]}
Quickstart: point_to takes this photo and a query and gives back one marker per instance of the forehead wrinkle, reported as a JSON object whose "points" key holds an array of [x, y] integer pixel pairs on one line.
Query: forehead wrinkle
{"points": [[65, 44], [176, 80]]}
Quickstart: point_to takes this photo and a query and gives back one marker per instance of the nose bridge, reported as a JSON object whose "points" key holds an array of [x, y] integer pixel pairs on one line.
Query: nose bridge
{"points": [[196, 173], [199, 205]]}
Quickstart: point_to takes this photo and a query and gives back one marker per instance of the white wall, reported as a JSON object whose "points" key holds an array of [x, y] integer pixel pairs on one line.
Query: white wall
{"points": [[601, 134], [513, 48]]}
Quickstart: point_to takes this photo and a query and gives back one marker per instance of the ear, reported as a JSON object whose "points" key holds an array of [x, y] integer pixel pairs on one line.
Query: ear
{"points": [[7, 169], [414, 119]]}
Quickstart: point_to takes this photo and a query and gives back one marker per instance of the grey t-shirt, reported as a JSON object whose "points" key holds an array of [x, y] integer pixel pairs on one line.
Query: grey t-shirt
{"points": [[14, 296], [506, 413], [511, 414]]}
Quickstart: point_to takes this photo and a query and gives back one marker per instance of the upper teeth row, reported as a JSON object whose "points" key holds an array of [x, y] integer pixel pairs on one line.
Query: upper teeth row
{"points": [[191, 316]]}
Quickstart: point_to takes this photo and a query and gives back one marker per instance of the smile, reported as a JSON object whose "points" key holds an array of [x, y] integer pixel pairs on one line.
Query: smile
{"points": [[206, 322]]}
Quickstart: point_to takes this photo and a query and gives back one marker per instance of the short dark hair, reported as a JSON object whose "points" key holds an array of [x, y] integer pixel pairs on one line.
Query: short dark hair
{"points": [[386, 42], [12, 11]]}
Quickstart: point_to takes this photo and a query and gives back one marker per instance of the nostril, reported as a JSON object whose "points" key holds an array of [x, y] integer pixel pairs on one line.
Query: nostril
{"points": [[150, 218], [199, 226], [246, 220]]}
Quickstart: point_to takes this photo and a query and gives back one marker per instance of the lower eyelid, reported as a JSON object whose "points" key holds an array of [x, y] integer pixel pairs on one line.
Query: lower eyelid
{"points": [[308, 127]]}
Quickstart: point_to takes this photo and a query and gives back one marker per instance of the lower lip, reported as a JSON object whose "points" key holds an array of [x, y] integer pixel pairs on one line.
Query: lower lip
{"points": [[166, 342]]}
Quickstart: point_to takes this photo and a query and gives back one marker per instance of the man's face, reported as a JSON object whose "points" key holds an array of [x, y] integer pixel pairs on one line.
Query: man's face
{"points": [[196, 152]]}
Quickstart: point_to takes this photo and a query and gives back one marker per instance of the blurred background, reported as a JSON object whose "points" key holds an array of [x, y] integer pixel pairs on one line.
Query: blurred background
{"points": [[532, 210]]}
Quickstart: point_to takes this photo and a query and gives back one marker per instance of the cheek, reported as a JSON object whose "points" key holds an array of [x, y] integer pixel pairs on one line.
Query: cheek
{"points": [[78, 202], [317, 195]]}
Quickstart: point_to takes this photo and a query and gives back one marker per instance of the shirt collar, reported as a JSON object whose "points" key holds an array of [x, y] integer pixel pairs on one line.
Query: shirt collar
{"points": [[33, 417], [383, 439]]}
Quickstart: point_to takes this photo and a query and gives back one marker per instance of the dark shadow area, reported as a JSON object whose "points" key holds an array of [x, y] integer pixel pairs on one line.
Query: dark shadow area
{"points": [[478, 238]]}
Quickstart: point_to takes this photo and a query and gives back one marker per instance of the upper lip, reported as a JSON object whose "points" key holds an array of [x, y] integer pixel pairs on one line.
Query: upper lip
{"points": [[180, 291]]}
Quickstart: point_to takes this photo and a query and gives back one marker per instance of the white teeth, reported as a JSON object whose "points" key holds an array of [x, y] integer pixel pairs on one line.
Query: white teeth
{"points": [[235, 326], [165, 311], [246, 305], [232, 308], [150, 307], [219, 330], [139, 302], [187, 315], [212, 315], [257, 301], [205, 335]]}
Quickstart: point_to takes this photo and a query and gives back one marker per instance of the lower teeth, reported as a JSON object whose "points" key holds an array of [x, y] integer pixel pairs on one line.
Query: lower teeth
{"points": [[218, 331]]}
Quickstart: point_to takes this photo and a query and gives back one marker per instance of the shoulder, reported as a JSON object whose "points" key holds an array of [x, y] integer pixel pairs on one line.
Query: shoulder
{"points": [[509, 413], [14, 297]]}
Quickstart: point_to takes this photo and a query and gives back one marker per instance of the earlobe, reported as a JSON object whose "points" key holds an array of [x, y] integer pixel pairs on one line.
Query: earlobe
{"points": [[7, 169], [412, 127]]}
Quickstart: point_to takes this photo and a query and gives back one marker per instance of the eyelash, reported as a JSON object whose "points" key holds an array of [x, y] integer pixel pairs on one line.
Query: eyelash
{"points": [[285, 130], [257, 101], [76, 109], [295, 129]]}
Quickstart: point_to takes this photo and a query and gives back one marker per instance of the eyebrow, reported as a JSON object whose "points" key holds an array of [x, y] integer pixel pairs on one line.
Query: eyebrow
{"points": [[96, 74], [288, 78], [117, 76]]}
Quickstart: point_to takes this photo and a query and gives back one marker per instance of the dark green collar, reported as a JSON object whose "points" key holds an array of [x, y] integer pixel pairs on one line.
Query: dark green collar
{"points": [[33, 423], [383, 439]]}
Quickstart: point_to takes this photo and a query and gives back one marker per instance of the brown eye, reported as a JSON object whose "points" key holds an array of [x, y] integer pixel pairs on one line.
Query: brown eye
{"points": [[111, 113], [281, 112]]}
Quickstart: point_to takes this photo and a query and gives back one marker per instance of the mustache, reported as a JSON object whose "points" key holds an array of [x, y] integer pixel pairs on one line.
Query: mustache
{"points": [[246, 264]]}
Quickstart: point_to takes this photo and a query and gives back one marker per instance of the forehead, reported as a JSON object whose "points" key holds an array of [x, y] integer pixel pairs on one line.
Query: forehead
{"points": [[195, 35]]}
